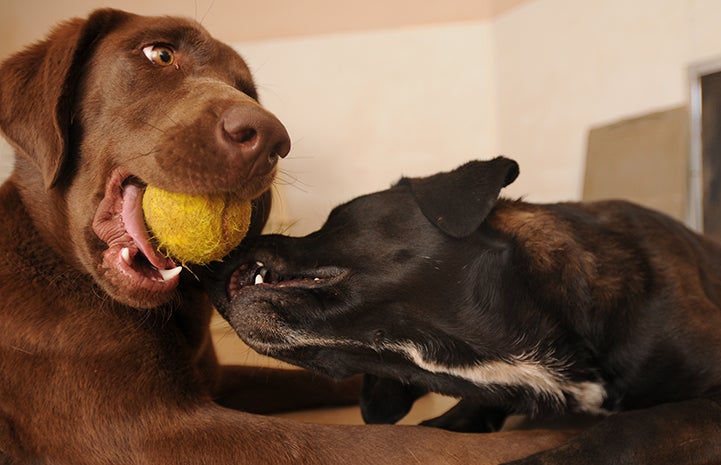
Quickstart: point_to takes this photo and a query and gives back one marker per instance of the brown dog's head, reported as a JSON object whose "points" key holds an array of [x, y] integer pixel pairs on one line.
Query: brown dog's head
{"points": [[109, 104]]}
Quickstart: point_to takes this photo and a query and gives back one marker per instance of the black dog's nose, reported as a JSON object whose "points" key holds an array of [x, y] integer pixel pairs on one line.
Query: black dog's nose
{"points": [[254, 138]]}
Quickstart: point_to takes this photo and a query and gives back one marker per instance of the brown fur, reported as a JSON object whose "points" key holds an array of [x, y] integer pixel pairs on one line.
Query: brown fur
{"points": [[100, 365]]}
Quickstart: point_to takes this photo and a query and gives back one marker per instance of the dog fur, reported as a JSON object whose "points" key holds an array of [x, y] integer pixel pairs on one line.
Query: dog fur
{"points": [[436, 284], [103, 360]]}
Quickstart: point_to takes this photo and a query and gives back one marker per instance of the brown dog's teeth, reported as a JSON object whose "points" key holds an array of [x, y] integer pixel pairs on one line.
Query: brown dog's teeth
{"points": [[171, 273], [125, 254]]}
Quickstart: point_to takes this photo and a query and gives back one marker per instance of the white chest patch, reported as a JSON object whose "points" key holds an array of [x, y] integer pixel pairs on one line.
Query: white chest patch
{"points": [[525, 371], [522, 371]]}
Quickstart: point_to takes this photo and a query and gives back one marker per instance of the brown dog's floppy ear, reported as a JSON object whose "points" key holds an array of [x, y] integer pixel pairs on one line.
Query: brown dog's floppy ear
{"points": [[458, 201], [37, 91]]}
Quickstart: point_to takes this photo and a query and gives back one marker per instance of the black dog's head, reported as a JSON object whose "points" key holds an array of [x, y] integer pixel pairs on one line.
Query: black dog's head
{"points": [[409, 284]]}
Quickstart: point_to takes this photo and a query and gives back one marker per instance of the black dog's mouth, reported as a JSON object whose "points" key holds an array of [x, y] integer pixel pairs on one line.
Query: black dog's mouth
{"points": [[253, 274]]}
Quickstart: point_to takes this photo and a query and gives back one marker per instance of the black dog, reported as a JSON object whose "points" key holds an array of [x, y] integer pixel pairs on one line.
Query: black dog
{"points": [[436, 284]]}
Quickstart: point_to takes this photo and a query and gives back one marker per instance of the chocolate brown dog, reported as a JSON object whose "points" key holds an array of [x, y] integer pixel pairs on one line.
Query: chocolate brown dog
{"points": [[436, 284], [105, 354]]}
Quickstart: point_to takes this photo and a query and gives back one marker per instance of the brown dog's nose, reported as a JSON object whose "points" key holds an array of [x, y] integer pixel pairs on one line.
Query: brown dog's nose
{"points": [[254, 138]]}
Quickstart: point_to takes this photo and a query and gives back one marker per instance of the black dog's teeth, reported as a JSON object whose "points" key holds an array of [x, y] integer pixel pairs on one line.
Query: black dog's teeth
{"points": [[256, 273], [247, 274], [260, 274]]}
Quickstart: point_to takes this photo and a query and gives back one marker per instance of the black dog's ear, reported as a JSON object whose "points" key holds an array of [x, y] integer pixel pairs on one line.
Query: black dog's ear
{"points": [[458, 201], [385, 401], [37, 90]]}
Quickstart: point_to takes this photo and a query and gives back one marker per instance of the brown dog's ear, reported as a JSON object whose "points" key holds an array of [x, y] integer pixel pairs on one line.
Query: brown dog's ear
{"points": [[458, 201], [37, 91]]}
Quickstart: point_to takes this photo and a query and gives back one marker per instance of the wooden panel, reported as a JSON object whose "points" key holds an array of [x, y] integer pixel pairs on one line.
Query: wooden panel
{"points": [[642, 159]]}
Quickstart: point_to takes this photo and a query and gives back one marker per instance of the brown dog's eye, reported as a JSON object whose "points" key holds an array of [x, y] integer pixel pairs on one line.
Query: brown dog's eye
{"points": [[160, 54]]}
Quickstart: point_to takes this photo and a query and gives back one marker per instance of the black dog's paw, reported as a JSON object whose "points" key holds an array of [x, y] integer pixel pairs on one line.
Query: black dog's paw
{"points": [[468, 416], [386, 400]]}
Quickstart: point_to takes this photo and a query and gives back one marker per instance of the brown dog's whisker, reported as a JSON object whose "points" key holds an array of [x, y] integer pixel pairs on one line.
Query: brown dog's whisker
{"points": [[171, 119], [160, 130], [286, 179], [210, 7]]}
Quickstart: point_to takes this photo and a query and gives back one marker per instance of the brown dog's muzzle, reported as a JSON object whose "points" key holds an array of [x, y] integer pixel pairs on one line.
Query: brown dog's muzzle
{"points": [[214, 140], [253, 139]]}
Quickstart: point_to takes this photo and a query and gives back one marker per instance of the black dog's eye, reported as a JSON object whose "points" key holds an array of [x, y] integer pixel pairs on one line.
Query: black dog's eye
{"points": [[161, 55]]}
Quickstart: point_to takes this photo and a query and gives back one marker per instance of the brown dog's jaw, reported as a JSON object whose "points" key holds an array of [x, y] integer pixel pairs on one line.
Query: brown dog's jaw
{"points": [[130, 262]]}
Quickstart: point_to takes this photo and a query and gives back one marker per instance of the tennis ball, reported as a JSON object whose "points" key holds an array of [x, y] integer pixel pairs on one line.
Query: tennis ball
{"points": [[195, 228]]}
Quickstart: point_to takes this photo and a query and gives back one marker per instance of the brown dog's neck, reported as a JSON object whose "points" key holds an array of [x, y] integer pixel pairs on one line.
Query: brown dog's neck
{"points": [[44, 208], [32, 255]]}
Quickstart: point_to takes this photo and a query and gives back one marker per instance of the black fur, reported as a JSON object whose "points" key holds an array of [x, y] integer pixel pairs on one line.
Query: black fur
{"points": [[616, 304]]}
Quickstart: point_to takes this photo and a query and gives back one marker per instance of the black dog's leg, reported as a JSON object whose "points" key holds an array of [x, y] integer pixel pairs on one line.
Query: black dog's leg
{"points": [[671, 434], [386, 400], [468, 416]]}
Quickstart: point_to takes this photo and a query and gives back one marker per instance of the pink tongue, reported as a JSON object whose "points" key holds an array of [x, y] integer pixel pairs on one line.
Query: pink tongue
{"points": [[134, 221]]}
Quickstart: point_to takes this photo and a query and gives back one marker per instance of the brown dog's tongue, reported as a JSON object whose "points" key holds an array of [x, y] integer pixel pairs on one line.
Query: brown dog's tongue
{"points": [[132, 214]]}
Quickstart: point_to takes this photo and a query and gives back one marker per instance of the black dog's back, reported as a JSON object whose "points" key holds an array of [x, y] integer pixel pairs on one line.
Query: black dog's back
{"points": [[639, 289], [515, 307]]}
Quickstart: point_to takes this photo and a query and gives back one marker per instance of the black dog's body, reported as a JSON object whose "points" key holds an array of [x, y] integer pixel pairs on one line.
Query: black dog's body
{"points": [[515, 307]]}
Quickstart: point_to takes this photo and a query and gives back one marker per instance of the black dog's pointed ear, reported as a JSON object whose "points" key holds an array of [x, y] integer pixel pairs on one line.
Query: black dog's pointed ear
{"points": [[37, 89], [385, 401], [458, 201]]}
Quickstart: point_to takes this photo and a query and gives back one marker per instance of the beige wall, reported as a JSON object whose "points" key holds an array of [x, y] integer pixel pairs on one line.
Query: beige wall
{"points": [[364, 108], [565, 66], [23, 21], [556, 69]]}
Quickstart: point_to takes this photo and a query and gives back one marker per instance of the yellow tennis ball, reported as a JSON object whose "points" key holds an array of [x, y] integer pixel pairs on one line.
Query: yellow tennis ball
{"points": [[195, 228]]}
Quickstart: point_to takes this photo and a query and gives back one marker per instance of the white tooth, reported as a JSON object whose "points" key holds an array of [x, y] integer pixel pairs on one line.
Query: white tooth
{"points": [[258, 279], [170, 274], [260, 264], [125, 254]]}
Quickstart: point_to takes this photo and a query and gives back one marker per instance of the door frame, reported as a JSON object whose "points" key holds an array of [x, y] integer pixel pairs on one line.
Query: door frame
{"points": [[694, 212]]}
